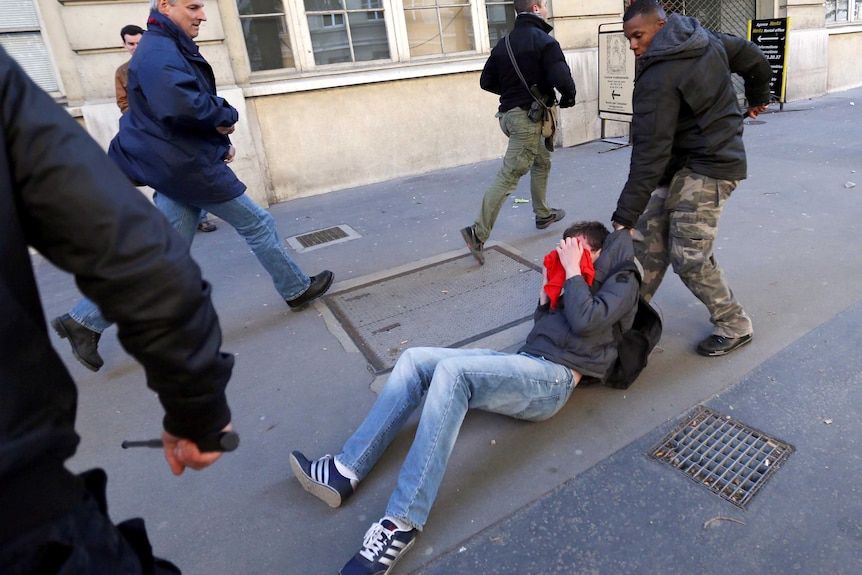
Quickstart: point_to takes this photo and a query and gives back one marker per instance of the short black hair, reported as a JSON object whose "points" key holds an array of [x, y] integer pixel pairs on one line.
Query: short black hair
{"points": [[648, 7], [595, 233], [130, 30]]}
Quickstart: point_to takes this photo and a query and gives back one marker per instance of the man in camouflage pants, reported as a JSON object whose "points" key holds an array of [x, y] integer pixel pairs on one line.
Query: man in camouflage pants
{"points": [[688, 155]]}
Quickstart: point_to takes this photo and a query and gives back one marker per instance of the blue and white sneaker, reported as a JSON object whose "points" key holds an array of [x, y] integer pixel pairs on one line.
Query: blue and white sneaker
{"points": [[383, 546], [322, 479]]}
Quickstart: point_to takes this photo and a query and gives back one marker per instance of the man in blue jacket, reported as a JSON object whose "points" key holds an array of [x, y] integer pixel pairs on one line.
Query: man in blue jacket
{"points": [[543, 65], [175, 139], [61, 195], [688, 156], [572, 337]]}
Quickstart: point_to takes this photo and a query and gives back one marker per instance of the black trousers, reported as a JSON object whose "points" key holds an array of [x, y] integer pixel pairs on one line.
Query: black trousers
{"points": [[85, 542]]}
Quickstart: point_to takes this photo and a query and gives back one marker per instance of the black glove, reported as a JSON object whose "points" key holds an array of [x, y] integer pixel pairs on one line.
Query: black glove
{"points": [[567, 101]]}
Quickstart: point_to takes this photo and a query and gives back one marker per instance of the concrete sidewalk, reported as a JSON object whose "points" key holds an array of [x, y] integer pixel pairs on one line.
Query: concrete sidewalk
{"points": [[573, 494]]}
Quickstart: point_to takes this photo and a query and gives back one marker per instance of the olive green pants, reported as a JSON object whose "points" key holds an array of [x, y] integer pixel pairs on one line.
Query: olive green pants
{"points": [[526, 153]]}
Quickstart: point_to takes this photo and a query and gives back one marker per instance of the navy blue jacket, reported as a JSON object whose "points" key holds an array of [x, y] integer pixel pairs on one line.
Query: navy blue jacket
{"points": [[540, 60], [168, 139], [579, 332]]}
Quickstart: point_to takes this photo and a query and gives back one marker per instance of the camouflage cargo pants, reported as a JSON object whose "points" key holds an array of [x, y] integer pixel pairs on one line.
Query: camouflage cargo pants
{"points": [[679, 226]]}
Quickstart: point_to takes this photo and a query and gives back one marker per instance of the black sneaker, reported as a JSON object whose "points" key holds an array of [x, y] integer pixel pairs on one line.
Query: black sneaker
{"points": [[556, 215], [383, 546], [84, 341], [716, 345], [473, 243], [318, 286], [322, 479]]}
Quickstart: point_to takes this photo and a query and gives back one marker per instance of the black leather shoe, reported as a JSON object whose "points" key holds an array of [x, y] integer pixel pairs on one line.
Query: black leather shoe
{"points": [[556, 215], [319, 284], [84, 342], [207, 226], [716, 345]]}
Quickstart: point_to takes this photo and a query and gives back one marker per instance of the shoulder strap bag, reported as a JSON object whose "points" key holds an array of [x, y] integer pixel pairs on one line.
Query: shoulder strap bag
{"points": [[548, 113]]}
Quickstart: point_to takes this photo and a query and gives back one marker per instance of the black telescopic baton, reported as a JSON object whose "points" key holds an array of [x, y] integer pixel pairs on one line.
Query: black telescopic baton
{"points": [[224, 441]]}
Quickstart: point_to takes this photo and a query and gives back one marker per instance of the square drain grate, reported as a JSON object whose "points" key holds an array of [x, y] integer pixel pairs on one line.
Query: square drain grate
{"points": [[730, 458], [321, 238], [450, 303]]}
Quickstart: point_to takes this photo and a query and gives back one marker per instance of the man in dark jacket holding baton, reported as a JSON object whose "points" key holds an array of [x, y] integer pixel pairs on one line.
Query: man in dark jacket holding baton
{"points": [[572, 337], [175, 138], [543, 66], [688, 155], [61, 195]]}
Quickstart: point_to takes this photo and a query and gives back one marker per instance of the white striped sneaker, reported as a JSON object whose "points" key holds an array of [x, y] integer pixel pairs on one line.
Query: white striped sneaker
{"points": [[383, 546], [322, 479]]}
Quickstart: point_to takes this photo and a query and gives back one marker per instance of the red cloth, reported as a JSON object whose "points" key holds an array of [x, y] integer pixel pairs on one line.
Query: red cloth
{"points": [[557, 274]]}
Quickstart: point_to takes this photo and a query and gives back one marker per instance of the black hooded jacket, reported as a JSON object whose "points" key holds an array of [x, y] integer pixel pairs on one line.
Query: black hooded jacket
{"points": [[60, 194], [540, 60], [686, 113]]}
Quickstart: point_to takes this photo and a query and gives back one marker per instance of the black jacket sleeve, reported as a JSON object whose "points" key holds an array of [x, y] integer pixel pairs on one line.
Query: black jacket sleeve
{"points": [[558, 74], [746, 59], [656, 106], [79, 211]]}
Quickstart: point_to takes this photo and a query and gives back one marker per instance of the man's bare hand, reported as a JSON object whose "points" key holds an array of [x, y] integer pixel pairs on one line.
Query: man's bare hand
{"points": [[570, 251], [753, 111], [182, 453], [226, 130], [231, 153]]}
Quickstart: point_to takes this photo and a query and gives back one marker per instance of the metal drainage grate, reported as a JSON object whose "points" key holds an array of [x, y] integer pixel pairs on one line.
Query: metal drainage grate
{"points": [[320, 238], [731, 459]]}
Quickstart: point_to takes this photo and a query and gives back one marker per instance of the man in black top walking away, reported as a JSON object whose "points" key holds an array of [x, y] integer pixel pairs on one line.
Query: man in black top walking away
{"points": [[544, 67]]}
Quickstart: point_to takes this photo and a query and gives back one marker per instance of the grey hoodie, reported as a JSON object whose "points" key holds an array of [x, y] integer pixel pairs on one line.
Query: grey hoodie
{"points": [[579, 332]]}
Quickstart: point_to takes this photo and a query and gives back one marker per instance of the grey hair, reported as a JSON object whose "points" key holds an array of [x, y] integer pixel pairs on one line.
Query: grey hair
{"points": [[154, 4]]}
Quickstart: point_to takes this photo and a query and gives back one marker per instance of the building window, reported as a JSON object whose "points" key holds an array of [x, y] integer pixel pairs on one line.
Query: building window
{"points": [[313, 34], [267, 39], [347, 31], [21, 37], [843, 11], [438, 26], [501, 19]]}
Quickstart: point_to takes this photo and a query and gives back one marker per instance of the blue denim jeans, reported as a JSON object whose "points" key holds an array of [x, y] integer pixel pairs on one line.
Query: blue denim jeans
{"points": [[250, 221], [454, 380]]}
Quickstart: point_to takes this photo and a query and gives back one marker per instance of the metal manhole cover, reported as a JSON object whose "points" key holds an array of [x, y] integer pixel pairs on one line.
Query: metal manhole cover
{"points": [[445, 304], [730, 458], [320, 238]]}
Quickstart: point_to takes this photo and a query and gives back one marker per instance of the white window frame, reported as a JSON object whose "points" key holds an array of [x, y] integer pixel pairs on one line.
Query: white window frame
{"points": [[852, 19], [396, 33]]}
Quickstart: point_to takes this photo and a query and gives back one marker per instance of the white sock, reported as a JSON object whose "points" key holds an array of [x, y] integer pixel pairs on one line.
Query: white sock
{"points": [[344, 471], [399, 523]]}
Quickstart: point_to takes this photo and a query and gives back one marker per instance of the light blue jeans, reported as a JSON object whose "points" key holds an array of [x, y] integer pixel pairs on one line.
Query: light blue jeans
{"points": [[454, 380], [250, 221]]}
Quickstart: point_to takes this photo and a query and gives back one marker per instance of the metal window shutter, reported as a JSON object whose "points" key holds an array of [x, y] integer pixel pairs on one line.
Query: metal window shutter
{"points": [[30, 52], [17, 15]]}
